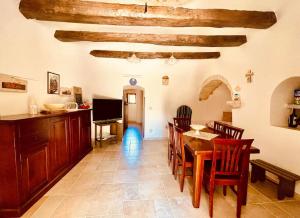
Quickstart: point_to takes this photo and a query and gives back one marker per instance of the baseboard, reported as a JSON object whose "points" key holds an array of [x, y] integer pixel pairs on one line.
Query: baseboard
{"points": [[155, 138]]}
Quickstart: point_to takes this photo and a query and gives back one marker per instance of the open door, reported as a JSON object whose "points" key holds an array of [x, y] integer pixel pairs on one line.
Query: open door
{"points": [[134, 108]]}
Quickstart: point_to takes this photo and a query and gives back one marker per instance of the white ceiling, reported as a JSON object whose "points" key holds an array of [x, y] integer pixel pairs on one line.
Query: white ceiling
{"points": [[266, 5]]}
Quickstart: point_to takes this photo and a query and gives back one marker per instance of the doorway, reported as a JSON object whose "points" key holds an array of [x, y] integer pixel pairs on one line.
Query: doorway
{"points": [[134, 108]]}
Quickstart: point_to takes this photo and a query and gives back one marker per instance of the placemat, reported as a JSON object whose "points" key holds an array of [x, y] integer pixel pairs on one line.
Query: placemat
{"points": [[202, 135]]}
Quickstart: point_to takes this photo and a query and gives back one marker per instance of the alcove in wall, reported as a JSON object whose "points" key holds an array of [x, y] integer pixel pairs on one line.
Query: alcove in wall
{"points": [[282, 96], [213, 97]]}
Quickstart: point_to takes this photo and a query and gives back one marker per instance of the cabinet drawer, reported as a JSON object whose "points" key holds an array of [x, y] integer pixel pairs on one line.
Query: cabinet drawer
{"points": [[33, 133], [31, 127]]}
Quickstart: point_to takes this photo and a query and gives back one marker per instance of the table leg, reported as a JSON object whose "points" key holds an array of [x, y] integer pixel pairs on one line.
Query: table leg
{"points": [[197, 180], [95, 135], [101, 136], [245, 184]]}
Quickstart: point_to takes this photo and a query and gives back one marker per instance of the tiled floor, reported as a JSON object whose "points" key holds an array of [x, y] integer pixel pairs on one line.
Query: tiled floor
{"points": [[133, 179]]}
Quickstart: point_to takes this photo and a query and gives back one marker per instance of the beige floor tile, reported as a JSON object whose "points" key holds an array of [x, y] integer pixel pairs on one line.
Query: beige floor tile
{"points": [[252, 210], [48, 207], [291, 207], [73, 206], [134, 180], [139, 209], [275, 210], [35, 207]]}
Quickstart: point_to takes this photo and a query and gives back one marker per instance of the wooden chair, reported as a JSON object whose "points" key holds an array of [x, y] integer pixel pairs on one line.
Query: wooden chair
{"points": [[230, 170], [184, 111], [183, 158], [182, 123], [171, 148], [228, 131]]}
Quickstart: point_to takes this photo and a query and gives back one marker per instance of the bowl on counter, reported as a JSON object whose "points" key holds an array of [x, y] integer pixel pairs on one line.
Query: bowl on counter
{"points": [[54, 107]]}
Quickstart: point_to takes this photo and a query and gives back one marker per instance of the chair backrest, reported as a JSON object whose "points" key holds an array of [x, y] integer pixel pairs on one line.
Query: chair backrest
{"points": [[179, 146], [182, 123], [184, 111], [171, 134], [234, 157], [228, 131]]}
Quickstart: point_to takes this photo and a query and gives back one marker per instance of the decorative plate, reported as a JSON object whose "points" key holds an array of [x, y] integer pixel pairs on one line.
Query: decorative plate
{"points": [[133, 81]]}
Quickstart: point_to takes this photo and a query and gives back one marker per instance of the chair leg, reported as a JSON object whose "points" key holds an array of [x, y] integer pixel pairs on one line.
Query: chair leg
{"points": [[176, 167], [211, 198], [239, 201], [169, 155], [173, 163], [224, 190], [182, 177]]}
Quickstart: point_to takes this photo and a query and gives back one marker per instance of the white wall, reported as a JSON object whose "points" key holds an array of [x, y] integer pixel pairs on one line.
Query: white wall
{"points": [[28, 49]]}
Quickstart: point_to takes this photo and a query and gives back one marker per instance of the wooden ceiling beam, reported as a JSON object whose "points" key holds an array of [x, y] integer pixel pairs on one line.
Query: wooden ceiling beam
{"points": [[134, 15], [157, 39], [154, 55]]}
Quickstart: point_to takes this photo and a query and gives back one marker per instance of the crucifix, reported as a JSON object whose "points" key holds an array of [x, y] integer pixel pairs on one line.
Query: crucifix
{"points": [[249, 75]]}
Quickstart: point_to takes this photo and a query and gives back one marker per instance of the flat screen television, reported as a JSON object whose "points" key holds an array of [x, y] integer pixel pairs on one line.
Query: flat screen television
{"points": [[107, 109]]}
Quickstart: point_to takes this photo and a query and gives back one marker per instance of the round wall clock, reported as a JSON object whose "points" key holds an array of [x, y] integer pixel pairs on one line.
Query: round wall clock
{"points": [[133, 81]]}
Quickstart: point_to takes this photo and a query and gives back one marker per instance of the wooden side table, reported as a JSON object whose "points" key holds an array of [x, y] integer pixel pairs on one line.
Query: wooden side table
{"points": [[111, 136]]}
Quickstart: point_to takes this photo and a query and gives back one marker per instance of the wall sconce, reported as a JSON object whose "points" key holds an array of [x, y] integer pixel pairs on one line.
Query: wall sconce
{"points": [[165, 80]]}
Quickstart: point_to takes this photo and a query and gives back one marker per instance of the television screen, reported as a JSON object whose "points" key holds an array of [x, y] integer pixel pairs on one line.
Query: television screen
{"points": [[106, 109]]}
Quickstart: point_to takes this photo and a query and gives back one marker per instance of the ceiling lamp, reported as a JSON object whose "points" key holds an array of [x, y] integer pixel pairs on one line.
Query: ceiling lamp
{"points": [[133, 59], [171, 60]]}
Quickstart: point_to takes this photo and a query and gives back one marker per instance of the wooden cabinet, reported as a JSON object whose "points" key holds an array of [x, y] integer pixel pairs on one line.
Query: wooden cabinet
{"points": [[35, 152], [85, 132], [74, 137], [59, 157], [34, 170]]}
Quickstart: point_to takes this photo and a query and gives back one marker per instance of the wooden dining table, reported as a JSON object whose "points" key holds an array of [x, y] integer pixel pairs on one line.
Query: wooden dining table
{"points": [[202, 150]]}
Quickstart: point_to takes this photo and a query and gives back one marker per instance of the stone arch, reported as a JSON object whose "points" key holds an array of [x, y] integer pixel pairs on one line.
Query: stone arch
{"points": [[211, 84]]}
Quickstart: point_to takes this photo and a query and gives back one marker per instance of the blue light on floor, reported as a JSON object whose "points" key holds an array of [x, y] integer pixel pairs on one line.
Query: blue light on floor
{"points": [[132, 143]]}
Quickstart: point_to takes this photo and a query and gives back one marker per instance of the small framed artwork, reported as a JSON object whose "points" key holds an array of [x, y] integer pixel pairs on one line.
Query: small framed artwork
{"points": [[65, 91], [53, 83], [10, 83], [77, 94]]}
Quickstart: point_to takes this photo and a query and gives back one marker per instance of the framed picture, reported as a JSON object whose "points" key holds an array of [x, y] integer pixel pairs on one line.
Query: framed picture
{"points": [[53, 83], [77, 94], [65, 91], [10, 83]]}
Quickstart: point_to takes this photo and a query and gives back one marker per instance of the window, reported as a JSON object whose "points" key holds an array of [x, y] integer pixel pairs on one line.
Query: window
{"points": [[131, 98]]}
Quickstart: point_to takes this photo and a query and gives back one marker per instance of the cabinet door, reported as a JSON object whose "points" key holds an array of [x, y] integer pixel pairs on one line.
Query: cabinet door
{"points": [[85, 132], [34, 170], [58, 145], [75, 137]]}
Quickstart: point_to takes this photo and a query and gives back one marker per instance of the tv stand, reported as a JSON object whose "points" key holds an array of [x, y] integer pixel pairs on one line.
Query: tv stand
{"points": [[101, 138]]}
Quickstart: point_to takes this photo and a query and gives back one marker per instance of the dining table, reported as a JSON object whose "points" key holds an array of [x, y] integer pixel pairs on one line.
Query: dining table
{"points": [[202, 150]]}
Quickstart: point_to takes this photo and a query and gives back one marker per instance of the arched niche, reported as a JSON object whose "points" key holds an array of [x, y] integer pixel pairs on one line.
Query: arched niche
{"points": [[282, 95], [214, 94], [211, 84]]}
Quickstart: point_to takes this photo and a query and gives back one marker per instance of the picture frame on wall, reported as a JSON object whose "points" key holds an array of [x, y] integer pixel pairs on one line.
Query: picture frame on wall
{"points": [[77, 91], [9, 83], [65, 91], [53, 83]]}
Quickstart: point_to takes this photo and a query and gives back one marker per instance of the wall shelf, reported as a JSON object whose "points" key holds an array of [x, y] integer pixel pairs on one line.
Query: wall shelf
{"points": [[292, 106]]}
